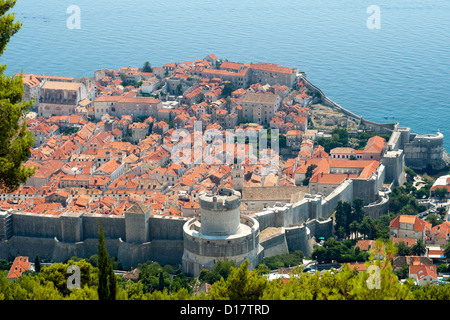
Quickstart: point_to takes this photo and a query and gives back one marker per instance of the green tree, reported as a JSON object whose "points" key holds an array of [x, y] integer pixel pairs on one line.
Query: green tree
{"points": [[221, 269], [180, 89], [410, 174], [354, 227], [403, 249], [347, 207], [180, 281], [339, 138], [5, 265], [436, 292], [37, 264], [282, 141], [228, 88], [440, 193], [447, 251], [149, 274], [147, 67], [15, 140], [29, 287], [309, 173], [283, 260], [161, 283], [419, 248], [403, 272], [367, 228], [57, 274], [242, 284], [106, 279], [358, 210], [93, 260], [433, 219], [348, 284], [340, 219], [320, 254], [421, 193]]}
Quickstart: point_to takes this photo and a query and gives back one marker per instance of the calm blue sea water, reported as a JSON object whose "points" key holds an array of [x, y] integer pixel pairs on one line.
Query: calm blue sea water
{"points": [[401, 70]]}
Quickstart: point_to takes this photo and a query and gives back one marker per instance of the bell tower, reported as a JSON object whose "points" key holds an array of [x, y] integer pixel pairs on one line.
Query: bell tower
{"points": [[238, 177]]}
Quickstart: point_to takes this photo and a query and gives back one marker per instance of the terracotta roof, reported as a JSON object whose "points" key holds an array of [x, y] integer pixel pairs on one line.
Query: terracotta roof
{"points": [[30, 80], [369, 170], [374, 145], [358, 266], [110, 166], [60, 85], [19, 266], [365, 245], [342, 150], [441, 229], [271, 67], [130, 97], [351, 163], [267, 98], [332, 178], [423, 270], [230, 65], [439, 253], [419, 224]]}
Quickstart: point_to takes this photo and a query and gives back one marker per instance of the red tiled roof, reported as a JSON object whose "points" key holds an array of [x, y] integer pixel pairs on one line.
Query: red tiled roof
{"points": [[419, 224], [271, 67], [365, 244], [374, 145], [19, 266], [423, 270], [441, 229], [230, 65]]}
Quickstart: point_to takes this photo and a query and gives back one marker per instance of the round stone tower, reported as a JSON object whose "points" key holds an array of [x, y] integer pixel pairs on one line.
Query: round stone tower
{"points": [[220, 233], [220, 213]]}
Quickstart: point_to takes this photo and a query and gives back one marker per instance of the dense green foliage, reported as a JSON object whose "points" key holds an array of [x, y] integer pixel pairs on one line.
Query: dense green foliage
{"points": [[147, 67], [441, 193], [308, 174], [283, 260], [339, 251], [339, 138], [221, 269], [228, 88], [240, 284], [69, 130], [349, 217], [15, 140]]}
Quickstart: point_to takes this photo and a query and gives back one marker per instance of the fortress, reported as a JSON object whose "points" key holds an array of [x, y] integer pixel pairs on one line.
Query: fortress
{"points": [[222, 231]]}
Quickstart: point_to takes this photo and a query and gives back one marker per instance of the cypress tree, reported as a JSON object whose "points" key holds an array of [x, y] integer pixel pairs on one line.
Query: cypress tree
{"points": [[106, 278], [15, 139], [161, 283], [37, 264]]}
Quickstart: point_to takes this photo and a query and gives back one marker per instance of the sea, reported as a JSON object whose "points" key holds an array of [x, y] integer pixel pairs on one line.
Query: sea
{"points": [[386, 60]]}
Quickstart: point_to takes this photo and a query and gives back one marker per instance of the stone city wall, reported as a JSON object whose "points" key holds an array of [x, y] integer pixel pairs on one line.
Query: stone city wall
{"points": [[275, 244], [299, 238]]}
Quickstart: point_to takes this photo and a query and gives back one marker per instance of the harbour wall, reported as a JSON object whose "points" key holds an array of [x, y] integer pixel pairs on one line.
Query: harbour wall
{"points": [[420, 151]]}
